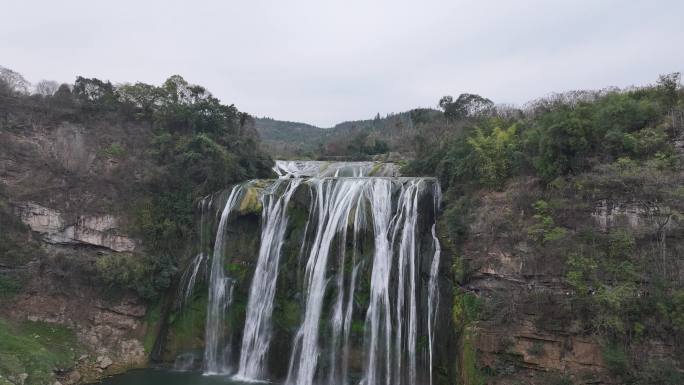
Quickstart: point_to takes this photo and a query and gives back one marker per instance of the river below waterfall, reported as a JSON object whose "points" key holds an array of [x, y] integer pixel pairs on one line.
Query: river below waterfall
{"points": [[168, 377]]}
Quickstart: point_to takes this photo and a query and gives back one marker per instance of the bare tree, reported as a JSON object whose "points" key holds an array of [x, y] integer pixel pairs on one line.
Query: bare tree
{"points": [[47, 87], [14, 81]]}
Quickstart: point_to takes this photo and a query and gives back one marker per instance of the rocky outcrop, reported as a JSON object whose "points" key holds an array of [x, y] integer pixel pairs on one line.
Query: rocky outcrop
{"points": [[529, 322], [111, 333], [102, 231], [540, 350]]}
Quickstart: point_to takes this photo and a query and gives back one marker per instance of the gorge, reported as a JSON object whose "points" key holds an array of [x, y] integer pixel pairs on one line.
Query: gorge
{"points": [[159, 242]]}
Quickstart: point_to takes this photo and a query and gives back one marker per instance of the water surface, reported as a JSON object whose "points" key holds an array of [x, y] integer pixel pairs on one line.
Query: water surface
{"points": [[168, 377]]}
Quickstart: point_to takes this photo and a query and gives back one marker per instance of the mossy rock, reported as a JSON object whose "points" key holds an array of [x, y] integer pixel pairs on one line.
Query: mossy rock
{"points": [[251, 202]]}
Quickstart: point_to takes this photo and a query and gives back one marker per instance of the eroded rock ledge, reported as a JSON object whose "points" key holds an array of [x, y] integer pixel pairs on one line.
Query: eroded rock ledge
{"points": [[101, 231]]}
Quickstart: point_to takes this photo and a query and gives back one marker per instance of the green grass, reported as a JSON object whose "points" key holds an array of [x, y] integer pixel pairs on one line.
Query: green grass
{"points": [[35, 348]]}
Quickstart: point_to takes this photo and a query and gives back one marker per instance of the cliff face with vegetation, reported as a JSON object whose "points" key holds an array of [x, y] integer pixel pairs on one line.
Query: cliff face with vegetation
{"points": [[565, 224], [97, 202]]}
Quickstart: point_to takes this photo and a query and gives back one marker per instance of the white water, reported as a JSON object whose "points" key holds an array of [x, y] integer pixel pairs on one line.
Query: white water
{"points": [[433, 293], [321, 169], [216, 351], [257, 332], [198, 262], [335, 199], [386, 208], [188, 279]]}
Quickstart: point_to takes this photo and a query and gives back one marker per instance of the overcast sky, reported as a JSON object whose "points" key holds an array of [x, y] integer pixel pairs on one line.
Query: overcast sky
{"points": [[323, 62]]}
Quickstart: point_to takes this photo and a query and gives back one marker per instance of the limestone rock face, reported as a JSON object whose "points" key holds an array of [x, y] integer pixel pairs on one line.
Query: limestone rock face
{"points": [[89, 230], [541, 350]]}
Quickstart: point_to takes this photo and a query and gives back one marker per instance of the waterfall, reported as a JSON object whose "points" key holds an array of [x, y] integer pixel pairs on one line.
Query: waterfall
{"points": [[216, 353], [367, 294], [257, 332], [433, 294], [189, 278], [335, 199], [198, 262]]}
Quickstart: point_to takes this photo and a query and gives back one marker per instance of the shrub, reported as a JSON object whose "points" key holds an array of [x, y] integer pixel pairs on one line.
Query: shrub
{"points": [[537, 349], [545, 230], [114, 151], [9, 286], [615, 359], [661, 373], [147, 275]]}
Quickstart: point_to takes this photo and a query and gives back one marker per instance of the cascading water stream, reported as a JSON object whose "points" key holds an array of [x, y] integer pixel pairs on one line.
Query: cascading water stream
{"points": [[217, 354], [334, 201], [433, 293], [380, 261], [257, 332]]}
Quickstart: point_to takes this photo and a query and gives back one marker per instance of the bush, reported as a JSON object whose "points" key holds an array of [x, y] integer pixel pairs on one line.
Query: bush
{"points": [[545, 230], [615, 359], [9, 286], [114, 151], [661, 373], [494, 154], [537, 349], [147, 275]]}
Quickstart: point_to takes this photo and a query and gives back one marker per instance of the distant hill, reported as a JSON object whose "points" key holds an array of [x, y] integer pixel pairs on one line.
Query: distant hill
{"points": [[359, 138], [283, 139]]}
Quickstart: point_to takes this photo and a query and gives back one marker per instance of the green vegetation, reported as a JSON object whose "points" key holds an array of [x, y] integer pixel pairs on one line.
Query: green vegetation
{"points": [[145, 275], [9, 286], [466, 311], [545, 229], [114, 151], [15, 249], [188, 145], [542, 171], [152, 319], [35, 349]]}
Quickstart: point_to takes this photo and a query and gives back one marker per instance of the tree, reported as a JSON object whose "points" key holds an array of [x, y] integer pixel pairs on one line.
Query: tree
{"points": [[494, 154], [95, 93], [669, 85], [63, 96], [466, 106], [141, 95], [14, 82], [445, 102], [47, 87], [564, 141]]}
